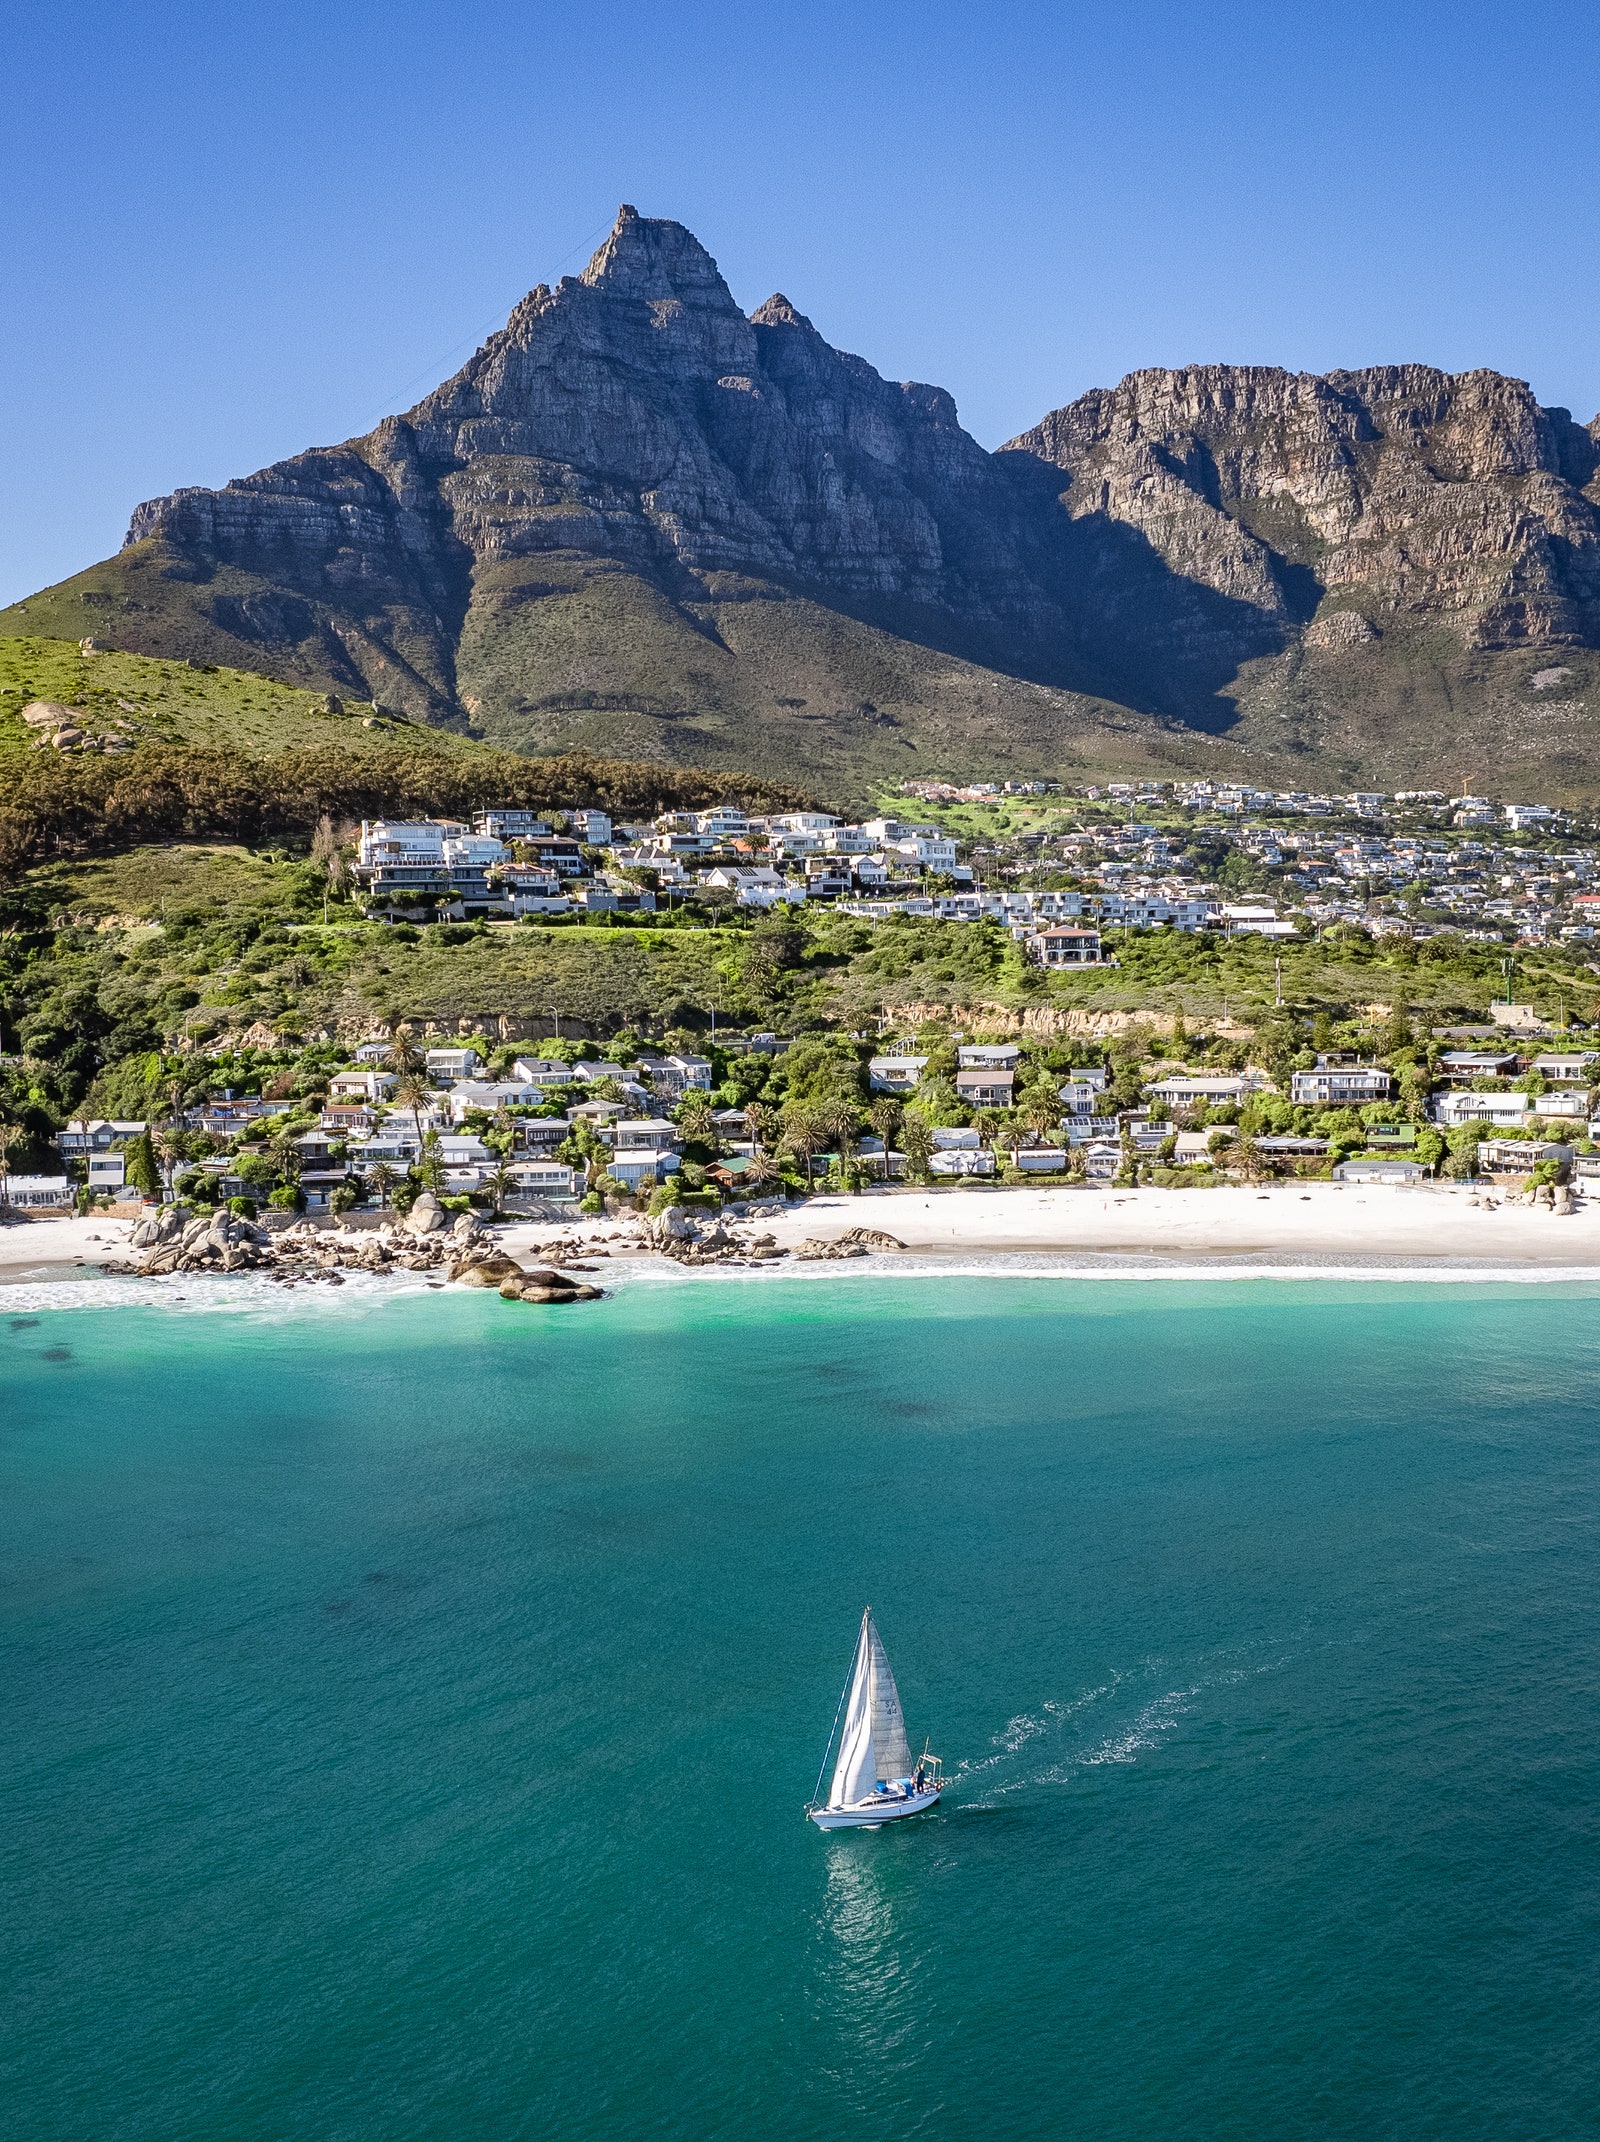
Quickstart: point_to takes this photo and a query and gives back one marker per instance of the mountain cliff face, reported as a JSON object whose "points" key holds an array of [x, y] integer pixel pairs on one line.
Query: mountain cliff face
{"points": [[639, 519], [1396, 492]]}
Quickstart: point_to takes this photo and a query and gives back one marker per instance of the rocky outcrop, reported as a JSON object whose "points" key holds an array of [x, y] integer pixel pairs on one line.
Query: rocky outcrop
{"points": [[175, 1242], [1396, 491]]}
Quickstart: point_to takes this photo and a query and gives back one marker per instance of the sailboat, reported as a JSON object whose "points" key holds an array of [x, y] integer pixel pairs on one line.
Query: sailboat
{"points": [[874, 1779]]}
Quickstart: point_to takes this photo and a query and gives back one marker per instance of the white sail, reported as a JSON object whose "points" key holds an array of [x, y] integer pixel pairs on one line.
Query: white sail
{"points": [[856, 1772], [872, 1739], [888, 1722]]}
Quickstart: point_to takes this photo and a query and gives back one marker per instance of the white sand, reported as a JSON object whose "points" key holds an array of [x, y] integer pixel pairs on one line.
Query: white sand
{"points": [[1288, 1222], [61, 1241]]}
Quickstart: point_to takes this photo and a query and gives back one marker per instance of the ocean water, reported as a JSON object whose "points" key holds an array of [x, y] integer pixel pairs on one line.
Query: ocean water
{"points": [[409, 1705]]}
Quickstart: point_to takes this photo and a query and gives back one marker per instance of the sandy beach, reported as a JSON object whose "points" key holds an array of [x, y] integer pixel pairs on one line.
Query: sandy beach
{"points": [[1293, 1224], [54, 1248]]}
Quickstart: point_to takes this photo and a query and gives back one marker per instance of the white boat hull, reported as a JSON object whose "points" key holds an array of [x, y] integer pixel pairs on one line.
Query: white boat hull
{"points": [[869, 1814]]}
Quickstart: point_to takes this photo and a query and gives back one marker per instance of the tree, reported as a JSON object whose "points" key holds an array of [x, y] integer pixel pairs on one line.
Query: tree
{"points": [[697, 1119], [430, 1165], [1250, 1161], [403, 1056], [140, 1165], [762, 1169], [917, 1140], [803, 1135], [840, 1126], [886, 1115], [328, 857], [171, 1147], [382, 1178], [1041, 1110], [11, 1136], [760, 1121], [499, 1183], [414, 1092]]}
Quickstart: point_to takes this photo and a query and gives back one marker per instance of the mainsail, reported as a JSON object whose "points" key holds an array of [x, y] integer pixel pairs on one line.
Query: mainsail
{"points": [[872, 1742], [888, 1721]]}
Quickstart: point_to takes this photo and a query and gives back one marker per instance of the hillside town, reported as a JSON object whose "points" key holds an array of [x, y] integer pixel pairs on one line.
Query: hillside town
{"points": [[491, 1128], [1185, 856]]}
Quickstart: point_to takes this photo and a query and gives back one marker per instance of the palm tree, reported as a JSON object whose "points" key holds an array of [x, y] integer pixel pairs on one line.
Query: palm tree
{"points": [[404, 1057], [917, 1139], [803, 1135], [886, 1122], [500, 1182], [11, 1136], [760, 1122], [171, 1145], [1041, 1110], [697, 1119], [414, 1092], [762, 1169], [839, 1127], [382, 1178]]}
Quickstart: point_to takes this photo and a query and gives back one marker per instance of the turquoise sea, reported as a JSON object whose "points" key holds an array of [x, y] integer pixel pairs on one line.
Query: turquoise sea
{"points": [[409, 1706]]}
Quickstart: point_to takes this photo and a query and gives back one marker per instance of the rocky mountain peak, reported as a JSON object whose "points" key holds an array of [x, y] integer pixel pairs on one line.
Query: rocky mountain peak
{"points": [[636, 505], [657, 262], [778, 312]]}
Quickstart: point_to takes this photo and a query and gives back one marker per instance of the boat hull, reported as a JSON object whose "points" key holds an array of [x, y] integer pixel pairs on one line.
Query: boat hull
{"points": [[870, 1815]]}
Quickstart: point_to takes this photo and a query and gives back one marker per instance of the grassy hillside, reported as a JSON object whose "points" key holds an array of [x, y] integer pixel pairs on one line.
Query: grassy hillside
{"points": [[148, 700], [570, 652]]}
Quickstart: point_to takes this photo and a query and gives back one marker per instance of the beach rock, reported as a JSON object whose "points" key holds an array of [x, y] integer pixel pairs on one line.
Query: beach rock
{"points": [[871, 1238], [813, 1251], [485, 1270], [425, 1216]]}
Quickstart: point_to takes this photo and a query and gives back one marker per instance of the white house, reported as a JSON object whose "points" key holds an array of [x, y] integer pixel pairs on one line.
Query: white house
{"points": [[451, 1063], [988, 1056], [543, 1072], [895, 1074], [1567, 1106], [1191, 1089], [41, 1193], [1574, 1068], [1242, 921], [1333, 1085], [1508, 1109], [546, 1178]]}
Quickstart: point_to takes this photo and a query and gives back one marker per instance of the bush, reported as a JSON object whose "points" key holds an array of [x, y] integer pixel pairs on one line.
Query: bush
{"points": [[592, 1203], [242, 1208], [287, 1198]]}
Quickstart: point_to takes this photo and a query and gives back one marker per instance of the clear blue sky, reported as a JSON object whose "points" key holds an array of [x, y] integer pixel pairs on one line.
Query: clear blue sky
{"points": [[230, 232]]}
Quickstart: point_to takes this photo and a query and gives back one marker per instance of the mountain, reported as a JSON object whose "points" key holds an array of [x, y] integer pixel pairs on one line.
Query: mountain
{"points": [[640, 521]]}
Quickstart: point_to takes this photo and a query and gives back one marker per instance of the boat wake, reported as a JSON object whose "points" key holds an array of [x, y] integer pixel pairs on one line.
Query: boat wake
{"points": [[1117, 1722]]}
